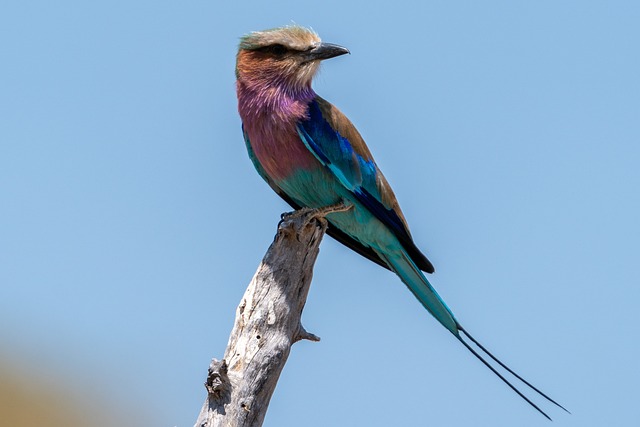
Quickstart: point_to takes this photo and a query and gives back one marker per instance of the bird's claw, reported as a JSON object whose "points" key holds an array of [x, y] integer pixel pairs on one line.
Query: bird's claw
{"points": [[295, 214], [315, 213]]}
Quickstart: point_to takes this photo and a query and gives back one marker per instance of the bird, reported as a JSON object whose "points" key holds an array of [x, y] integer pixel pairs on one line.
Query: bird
{"points": [[312, 156]]}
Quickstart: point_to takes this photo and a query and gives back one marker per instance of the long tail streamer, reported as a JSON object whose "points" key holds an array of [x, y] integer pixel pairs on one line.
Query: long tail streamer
{"points": [[495, 371]]}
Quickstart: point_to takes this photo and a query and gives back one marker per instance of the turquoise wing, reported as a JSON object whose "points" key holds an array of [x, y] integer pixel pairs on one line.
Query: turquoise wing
{"points": [[335, 142]]}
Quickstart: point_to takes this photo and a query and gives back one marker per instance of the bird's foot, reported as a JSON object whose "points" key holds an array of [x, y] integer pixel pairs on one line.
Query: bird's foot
{"points": [[287, 216], [316, 213]]}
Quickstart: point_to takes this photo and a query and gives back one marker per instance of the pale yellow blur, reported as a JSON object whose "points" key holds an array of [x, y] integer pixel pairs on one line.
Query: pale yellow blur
{"points": [[29, 401]]}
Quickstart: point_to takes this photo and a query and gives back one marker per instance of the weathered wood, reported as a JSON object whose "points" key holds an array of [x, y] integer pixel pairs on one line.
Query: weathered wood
{"points": [[267, 324]]}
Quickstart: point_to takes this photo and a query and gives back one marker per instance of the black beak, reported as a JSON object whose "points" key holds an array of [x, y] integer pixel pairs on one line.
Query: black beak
{"points": [[325, 51]]}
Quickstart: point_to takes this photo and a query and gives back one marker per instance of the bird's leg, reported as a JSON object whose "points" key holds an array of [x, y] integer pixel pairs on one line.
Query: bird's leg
{"points": [[294, 214], [316, 213], [341, 206]]}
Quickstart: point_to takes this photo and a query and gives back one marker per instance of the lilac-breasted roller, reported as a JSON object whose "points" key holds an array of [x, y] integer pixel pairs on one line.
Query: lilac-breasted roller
{"points": [[313, 156]]}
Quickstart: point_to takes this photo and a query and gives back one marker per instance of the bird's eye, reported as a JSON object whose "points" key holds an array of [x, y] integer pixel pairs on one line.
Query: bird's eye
{"points": [[275, 49]]}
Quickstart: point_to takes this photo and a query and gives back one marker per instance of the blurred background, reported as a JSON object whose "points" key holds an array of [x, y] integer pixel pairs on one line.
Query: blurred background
{"points": [[131, 219]]}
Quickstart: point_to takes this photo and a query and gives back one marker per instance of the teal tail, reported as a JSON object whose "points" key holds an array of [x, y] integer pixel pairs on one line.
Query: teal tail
{"points": [[422, 289], [429, 298]]}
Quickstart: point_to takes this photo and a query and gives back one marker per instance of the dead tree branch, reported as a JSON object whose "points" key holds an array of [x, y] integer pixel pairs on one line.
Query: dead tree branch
{"points": [[267, 324]]}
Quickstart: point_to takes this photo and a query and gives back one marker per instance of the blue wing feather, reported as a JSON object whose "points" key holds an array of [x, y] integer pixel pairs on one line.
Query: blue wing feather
{"points": [[356, 173]]}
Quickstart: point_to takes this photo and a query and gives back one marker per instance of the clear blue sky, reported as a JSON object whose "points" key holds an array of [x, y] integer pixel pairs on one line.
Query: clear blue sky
{"points": [[131, 219]]}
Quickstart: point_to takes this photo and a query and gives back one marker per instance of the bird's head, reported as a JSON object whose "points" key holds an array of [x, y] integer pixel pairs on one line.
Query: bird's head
{"points": [[287, 56]]}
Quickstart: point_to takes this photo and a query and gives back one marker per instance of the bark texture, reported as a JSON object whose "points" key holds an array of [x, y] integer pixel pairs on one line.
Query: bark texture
{"points": [[267, 324]]}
